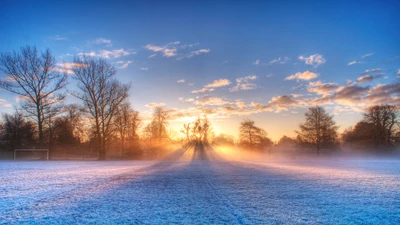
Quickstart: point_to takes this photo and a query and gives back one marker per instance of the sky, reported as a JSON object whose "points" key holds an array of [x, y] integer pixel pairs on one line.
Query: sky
{"points": [[267, 61]]}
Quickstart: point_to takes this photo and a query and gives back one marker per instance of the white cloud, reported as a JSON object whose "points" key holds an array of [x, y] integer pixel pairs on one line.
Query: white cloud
{"points": [[171, 50], [58, 38], [155, 105], [67, 67], [368, 55], [102, 41], [353, 63], [166, 50], [256, 62], [307, 75], [91, 54], [152, 55], [280, 60], [144, 68], [218, 83], [314, 60], [126, 64], [204, 89], [206, 100], [4, 103], [211, 87], [377, 70], [243, 83], [181, 81], [322, 88], [108, 54], [198, 52], [114, 53]]}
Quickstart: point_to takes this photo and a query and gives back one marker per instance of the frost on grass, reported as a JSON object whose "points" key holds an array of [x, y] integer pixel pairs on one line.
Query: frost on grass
{"points": [[201, 192]]}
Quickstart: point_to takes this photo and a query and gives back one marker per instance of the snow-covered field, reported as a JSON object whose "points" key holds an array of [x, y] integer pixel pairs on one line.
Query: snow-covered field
{"points": [[298, 191]]}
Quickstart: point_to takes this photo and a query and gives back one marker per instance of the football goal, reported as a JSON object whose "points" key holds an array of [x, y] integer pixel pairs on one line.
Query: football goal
{"points": [[31, 154]]}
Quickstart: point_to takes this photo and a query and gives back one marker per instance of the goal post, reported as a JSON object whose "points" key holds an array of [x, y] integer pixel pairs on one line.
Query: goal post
{"points": [[44, 152]]}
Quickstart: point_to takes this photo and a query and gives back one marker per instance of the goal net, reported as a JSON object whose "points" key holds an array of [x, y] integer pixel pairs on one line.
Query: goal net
{"points": [[31, 154]]}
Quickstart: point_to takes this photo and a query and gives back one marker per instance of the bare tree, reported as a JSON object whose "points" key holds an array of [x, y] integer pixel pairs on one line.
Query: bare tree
{"points": [[319, 129], [186, 131], [382, 119], [157, 129], [127, 123], [101, 94], [37, 80], [252, 136]]}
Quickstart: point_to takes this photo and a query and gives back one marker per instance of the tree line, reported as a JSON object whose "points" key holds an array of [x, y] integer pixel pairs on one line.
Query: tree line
{"points": [[105, 119]]}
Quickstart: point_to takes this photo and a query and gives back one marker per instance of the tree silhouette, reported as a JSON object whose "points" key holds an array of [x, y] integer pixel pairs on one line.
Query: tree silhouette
{"points": [[383, 119], [127, 122], [319, 129], [156, 131], [16, 132], [252, 136], [377, 129], [101, 94], [37, 80]]}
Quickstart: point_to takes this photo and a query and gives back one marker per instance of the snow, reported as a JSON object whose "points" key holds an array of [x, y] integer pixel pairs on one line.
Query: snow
{"points": [[300, 191]]}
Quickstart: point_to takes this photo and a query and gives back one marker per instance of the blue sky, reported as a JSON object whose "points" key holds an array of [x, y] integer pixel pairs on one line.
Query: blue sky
{"points": [[263, 60]]}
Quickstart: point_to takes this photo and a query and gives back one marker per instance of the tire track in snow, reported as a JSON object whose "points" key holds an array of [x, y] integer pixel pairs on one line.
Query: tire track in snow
{"points": [[224, 200]]}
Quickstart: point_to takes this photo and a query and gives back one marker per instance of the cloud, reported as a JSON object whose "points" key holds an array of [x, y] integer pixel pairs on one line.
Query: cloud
{"points": [[171, 50], [67, 67], [207, 100], [218, 83], [350, 94], [108, 54], [240, 104], [114, 53], [58, 38], [353, 63], [203, 90], [280, 60], [4, 103], [256, 62], [322, 88], [282, 103], [91, 54], [367, 78], [358, 97], [70, 65], [155, 105], [144, 68], [377, 70], [368, 55], [198, 52], [181, 81], [211, 87], [243, 83], [314, 60], [126, 64], [101, 41], [168, 50], [307, 75]]}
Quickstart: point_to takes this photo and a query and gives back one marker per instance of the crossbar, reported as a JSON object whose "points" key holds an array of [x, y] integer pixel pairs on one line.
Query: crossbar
{"points": [[31, 150]]}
